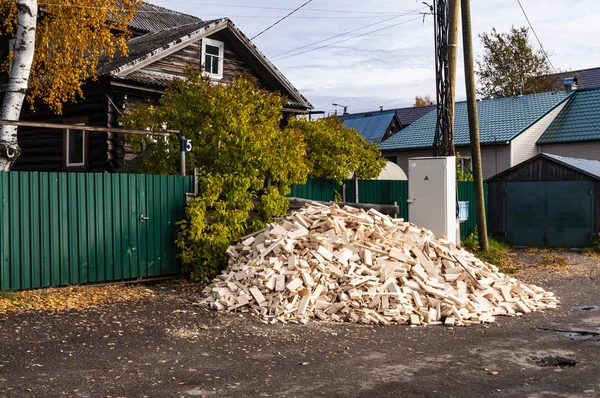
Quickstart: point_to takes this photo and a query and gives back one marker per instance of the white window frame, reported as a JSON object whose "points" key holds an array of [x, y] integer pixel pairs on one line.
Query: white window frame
{"points": [[462, 164], [84, 146], [221, 47]]}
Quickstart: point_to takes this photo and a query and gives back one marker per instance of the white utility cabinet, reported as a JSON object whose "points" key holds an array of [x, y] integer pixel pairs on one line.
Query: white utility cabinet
{"points": [[432, 194]]}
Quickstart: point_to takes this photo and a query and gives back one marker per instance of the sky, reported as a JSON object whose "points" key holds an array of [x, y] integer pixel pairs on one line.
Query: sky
{"points": [[392, 61]]}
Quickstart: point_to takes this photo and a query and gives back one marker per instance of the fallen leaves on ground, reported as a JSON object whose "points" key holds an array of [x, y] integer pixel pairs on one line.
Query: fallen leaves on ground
{"points": [[78, 297]]}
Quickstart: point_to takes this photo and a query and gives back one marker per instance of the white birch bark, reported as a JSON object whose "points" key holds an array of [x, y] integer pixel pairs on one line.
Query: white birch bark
{"points": [[17, 85]]}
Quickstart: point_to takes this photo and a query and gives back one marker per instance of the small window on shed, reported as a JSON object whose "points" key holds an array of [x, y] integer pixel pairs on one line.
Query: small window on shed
{"points": [[212, 58]]}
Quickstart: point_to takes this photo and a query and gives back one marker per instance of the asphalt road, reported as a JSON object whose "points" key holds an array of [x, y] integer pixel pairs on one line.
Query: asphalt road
{"points": [[168, 347]]}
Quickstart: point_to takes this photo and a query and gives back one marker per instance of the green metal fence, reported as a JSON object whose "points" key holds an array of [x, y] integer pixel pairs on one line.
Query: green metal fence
{"points": [[385, 192], [466, 192], [70, 228]]}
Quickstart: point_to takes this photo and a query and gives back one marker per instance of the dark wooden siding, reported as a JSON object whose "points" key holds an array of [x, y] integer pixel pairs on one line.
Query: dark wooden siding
{"points": [[42, 149], [540, 169], [175, 64]]}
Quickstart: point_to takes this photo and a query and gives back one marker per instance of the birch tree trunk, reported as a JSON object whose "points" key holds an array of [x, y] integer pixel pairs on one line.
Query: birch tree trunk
{"points": [[18, 80]]}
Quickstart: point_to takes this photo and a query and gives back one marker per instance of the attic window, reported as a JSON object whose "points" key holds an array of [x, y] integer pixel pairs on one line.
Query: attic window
{"points": [[212, 58]]}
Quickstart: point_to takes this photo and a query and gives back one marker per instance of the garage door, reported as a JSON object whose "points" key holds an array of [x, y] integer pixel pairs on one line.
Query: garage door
{"points": [[549, 213]]}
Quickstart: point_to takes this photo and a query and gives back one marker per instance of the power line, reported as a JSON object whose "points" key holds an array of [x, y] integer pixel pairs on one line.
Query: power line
{"points": [[536, 36], [269, 27], [283, 8], [346, 33], [350, 38], [139, 12]]}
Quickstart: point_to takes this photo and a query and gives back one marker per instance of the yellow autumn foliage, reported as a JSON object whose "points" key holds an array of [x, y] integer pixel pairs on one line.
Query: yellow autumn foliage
{"points": [[71, 37], [67, 298]]}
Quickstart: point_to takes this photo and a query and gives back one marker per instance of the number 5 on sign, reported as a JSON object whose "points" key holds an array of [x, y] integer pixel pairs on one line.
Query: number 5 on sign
{"points": [[186, 145]]}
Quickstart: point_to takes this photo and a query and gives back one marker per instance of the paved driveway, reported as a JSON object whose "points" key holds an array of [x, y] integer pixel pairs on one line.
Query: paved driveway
{"points": [[168, 347]]}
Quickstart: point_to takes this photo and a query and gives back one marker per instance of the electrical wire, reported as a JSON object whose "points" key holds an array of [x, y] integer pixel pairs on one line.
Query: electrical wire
{"points": [[272, 25], [536, 36], [350, 38], [346, 33], [381, 13]]}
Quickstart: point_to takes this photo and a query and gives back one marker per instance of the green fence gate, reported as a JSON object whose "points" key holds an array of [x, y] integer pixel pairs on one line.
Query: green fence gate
{"points": [[549, 213], [70, 228]]}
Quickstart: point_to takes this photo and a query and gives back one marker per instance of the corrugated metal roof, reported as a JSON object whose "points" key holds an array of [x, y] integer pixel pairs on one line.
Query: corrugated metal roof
{"points": [[152, 18], [410, 115], [372, 126], [578, 121], [590, 167], [500, 120], [587, 78]]}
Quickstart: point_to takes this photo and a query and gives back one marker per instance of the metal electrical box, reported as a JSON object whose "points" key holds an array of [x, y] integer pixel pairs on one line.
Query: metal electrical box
{"points": [[432, 195]]}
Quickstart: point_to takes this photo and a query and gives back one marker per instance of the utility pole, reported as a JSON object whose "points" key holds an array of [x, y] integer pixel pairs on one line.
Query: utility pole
{"points": [[473, 125], [453, 13]]}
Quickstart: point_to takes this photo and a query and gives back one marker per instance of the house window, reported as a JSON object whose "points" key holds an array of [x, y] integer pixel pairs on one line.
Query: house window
{"points": [[212, 57], [75, 147], [465, 164]]}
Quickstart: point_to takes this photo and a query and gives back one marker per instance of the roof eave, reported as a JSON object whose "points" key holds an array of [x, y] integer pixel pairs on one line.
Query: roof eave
{"points": [[169, 48]]}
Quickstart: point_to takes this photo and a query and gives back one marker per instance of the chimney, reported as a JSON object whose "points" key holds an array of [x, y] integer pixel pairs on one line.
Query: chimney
{"points": [[380, 108], [570, 83]]}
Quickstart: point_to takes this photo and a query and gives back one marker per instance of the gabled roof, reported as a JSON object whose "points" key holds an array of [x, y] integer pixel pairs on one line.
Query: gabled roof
{"points": [[152, 18], [586, 78], [578, 121], [151, 47], [500, 121], [410, 115], [588, 167], [372, 126]]}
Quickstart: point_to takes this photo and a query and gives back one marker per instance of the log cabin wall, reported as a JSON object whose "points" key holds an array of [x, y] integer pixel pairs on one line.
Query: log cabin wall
{"points": [[44, 149]]}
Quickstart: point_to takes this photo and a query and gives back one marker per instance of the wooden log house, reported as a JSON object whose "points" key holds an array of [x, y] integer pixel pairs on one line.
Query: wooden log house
{"points": [[164, 43]]}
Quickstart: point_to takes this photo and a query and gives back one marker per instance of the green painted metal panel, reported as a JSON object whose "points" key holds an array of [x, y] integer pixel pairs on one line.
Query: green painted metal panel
{"points": [[44, 226], [570, 213], [72, 228], [25, 219], [15, 229], [109, 258], [54, 229], [100, 266], [142, 211], [466, 192], [65, 244], [549, 213], [526, 211], [5, 232], [89, 224]]}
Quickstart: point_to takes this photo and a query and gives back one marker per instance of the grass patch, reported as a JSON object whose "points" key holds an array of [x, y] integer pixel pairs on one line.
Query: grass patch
{"points": [[594, 248], [498, 253], [5, 294], [553, 260]]}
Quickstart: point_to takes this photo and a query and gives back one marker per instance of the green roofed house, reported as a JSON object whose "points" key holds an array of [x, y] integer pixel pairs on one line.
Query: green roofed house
{"points": [[509, 130], [575, 132]]}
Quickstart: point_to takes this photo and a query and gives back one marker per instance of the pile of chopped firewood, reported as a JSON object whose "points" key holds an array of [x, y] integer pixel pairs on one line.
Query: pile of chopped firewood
{"points": [[346, 264]]}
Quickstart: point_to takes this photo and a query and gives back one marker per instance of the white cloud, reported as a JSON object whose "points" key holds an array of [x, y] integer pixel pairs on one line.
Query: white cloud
{"points": [[390, 67]]}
